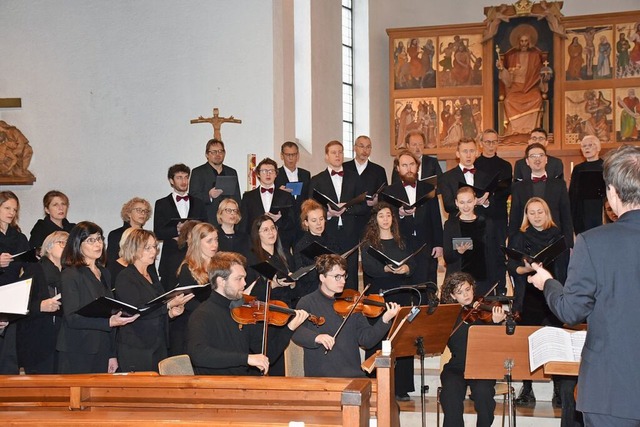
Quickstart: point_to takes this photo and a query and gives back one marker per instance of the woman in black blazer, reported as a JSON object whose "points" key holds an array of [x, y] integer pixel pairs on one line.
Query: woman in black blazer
{"points": [[56, 207], [134, 213], [86, 344], [230, 238], [142, 344]]}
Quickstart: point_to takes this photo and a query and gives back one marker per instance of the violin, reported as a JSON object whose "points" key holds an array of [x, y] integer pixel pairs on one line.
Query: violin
{"points": [[370, 306], [252, 311], [480, 309]]}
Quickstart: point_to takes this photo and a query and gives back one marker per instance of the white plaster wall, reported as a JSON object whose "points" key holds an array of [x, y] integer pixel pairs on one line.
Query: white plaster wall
{"points": [[108, 89]]}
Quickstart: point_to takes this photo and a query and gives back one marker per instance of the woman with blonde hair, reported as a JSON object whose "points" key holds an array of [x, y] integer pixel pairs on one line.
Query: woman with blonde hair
{"points": [[230, 238], [134, 213]]}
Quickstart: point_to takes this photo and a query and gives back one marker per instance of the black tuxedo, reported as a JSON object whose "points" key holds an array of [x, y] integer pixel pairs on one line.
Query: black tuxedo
{"points": [[556, 196], [251, 208], [346, 236], [424, 226], [430, 167], [304, 176], [554, 167], [449, 183], [373, 176], [165, 209], [203, 179]]}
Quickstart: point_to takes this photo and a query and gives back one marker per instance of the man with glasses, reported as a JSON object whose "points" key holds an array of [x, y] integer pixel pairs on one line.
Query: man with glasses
{"points": [[372, 176], [290, 172], [586, 189], [270, 200], [428, 166], [555, 167], [496, 213], [325, 353], [167, 214], [203, 179]]}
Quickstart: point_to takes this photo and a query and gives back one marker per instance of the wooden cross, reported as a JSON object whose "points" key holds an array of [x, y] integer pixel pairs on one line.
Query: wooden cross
{"points": [[216, 121], [10, 102]]}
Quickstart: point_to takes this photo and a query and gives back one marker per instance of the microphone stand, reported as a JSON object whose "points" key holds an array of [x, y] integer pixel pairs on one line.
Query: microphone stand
{"points": [[423, 388], [508, 365]]}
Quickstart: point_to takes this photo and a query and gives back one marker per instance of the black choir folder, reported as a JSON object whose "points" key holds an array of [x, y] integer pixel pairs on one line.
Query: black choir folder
{"points": [[29, 255], [326, 200], [315, 249], [14, 300], [400, 203], [494, 185], [107, 306], [544, 257], [384, 259], [226, 183]]}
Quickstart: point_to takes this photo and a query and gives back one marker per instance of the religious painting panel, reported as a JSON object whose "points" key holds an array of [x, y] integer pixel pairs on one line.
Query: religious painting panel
{"points": [[460, 117], [628, 50], [460, 60], [588, 112], [589, 53], [416, 114], [413, 62], [627, 114]]}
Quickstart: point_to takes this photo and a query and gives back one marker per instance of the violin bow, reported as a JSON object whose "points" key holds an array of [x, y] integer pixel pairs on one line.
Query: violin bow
{"points": [[349, 313], [469, 313], [265, 326]]}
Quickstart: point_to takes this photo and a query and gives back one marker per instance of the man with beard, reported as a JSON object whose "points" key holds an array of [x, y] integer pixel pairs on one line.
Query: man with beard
{"points": [[216, 345], [415, 142]]}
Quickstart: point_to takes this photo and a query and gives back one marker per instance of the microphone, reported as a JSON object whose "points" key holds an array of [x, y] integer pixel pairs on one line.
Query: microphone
{"points": [[418, 287], [433, 301], [510, 325]]}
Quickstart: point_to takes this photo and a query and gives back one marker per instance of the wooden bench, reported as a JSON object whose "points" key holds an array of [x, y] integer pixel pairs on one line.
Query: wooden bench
{"points": [[149, 399]]}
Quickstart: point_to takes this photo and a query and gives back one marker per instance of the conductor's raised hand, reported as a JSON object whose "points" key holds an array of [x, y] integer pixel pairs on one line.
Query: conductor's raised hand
{"points": [[119, 320], [392, 310], [540, 277]]}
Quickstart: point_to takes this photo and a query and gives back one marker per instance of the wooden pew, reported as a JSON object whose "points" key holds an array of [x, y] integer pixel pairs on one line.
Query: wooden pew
{"points": [[147, 399]]}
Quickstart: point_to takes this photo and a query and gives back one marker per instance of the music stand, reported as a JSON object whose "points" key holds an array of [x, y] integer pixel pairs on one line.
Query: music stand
{"points": [[488, 345], [427, 334]]}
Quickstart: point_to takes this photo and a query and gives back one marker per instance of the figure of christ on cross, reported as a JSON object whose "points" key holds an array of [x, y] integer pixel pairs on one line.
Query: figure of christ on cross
{"points": [[216, 121]]}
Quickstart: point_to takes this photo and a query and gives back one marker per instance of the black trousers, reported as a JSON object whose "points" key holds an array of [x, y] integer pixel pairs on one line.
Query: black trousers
{"points": [[454, 389]]}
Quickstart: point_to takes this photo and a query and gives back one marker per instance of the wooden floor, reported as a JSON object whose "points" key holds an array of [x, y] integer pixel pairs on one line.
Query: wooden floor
{"points": [[542, 409]]}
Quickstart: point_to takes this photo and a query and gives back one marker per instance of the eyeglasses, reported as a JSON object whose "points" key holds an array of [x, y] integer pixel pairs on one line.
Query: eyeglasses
{"points": [[290, 155], [216, 152], [61, 243], [231, 210], [141, 211], [490, 141], [537, 156], [339, 277], [268, 171], [92, 240]]}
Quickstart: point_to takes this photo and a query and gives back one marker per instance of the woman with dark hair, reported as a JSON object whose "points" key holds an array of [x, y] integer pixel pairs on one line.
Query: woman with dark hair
{"points": [[56, 207], [86, 344], [202, 246], [230, 239], [12, 242], [38, 331], [142, 344], [312, 219], [134, 213]]}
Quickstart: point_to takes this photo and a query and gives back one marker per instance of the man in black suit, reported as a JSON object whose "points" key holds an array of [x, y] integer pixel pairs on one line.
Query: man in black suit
{"points": [[496, 214], [602, 289], [539, 184], [555, 168], [290, 172], [178, 204], [203, 180], [269, 199], [372, 176], [428, 166], [419, 225], [586, 191], [340, 186]]}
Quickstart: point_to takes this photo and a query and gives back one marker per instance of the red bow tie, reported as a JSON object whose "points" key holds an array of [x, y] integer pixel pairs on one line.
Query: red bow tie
{"points": [[542, 178], [185, 198], [341, 173], [406, 184], [472, 170], [264, 190]]}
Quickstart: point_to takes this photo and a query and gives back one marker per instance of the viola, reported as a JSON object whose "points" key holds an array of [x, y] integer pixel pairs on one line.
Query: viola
{"points": [[252, 311], [480, 309], [370, 306]]}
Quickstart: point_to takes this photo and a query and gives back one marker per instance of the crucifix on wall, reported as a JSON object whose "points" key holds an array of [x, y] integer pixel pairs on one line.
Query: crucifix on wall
{"points": [[216, 121]]}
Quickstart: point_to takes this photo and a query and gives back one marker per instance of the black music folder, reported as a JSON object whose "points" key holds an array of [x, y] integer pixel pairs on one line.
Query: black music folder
{"points": [[227, 183], [107, 307], [189, 289], [495, 184], [29, 255], [544, 257], [400, 203], [324, 200], [384, 259]]}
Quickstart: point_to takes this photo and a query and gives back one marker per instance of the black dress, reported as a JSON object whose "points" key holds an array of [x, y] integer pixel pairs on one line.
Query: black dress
{"points": [[113, 242], [44, 227], [309, 282], [237, 242], [13, 242], [143, 343], [37, 333]]}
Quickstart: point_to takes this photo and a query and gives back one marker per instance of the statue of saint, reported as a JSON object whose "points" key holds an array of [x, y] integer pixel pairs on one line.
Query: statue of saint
{"points": [[15, 152]]}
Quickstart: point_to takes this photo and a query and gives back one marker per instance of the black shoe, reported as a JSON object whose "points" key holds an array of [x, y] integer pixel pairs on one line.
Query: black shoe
{"points": [[526, 397], [404, 397]]}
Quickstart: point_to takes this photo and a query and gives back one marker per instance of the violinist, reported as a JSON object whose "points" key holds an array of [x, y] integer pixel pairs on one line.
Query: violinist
{"points": [[327, 354], [459, 287], [216, 344]]}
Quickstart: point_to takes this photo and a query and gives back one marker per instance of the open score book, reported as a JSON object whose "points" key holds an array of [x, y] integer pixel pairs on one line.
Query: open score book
{"points": [[551, 344]]}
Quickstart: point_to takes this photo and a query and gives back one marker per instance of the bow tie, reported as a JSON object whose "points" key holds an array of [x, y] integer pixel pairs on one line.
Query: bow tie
{"points": [[472, 170], [542, 178], [264, 190], [341, 173], [185, 198], [406, 184]]}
